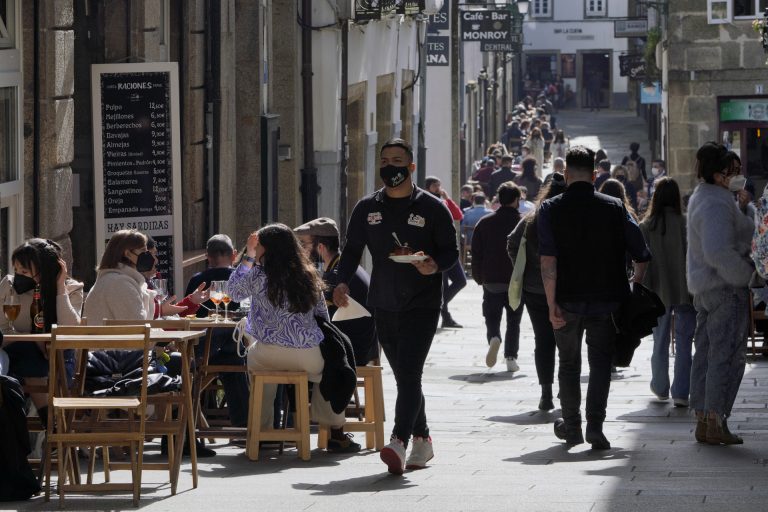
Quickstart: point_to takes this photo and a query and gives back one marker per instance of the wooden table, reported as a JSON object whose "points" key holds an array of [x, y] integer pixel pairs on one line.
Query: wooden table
{"points": [[185, 341]]}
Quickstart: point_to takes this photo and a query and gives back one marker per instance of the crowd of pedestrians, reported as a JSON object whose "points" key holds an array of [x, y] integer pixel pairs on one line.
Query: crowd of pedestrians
{"points": [[571, 249]]}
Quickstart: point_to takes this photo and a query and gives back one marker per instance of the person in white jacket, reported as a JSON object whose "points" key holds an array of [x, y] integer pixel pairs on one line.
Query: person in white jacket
{"points": [[120, 290], [38, 266]]}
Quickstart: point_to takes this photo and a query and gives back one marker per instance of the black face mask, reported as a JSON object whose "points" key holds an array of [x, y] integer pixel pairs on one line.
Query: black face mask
{"points": [[621, 178], [145, 262], [22, 283], [393, 176]]}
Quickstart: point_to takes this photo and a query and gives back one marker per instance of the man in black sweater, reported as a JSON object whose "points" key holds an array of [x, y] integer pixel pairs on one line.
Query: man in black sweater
{"points": [[503, 175], [492, 268], [584, 272], [406, 295]]}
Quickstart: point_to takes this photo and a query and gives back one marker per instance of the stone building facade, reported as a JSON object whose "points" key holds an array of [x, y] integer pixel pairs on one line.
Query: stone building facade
{"points": [[241, 104], [714, 75]]}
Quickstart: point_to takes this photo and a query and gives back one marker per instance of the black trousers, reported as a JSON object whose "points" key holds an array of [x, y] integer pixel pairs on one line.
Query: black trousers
{"points": [[405, 337], [544, 336], [601, 341], [494, 304]]}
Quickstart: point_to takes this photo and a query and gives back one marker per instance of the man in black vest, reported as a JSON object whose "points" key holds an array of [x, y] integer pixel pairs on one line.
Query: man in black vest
{"points": [[584, 271]]}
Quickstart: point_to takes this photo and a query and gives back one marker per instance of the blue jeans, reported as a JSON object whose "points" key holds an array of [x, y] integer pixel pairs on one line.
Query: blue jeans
{"points": [[722, 319], [685, 325], [458, 280]]}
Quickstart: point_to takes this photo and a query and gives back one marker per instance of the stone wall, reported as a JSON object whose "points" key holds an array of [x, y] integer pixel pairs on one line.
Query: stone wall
{"points": [[704, 62]]}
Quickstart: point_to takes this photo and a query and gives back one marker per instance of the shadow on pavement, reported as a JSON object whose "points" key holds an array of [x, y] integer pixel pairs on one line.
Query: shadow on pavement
{"points": [[270, 462], [481, 378], [370, 483], [561, 453], [528, 418]]}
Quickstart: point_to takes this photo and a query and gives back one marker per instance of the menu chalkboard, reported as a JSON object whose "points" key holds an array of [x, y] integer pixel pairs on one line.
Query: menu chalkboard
{"points": [[135, 112]]}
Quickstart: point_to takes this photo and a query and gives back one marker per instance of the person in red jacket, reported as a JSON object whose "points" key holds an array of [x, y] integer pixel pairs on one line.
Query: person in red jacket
{"points": [[454, 279]]}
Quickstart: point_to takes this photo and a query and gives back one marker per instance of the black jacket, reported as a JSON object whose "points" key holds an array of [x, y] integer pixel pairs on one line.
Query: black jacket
{"points": [[17, 481], [339, 376], [500, 176], [425, 224], [490, 262], [636, 320]]}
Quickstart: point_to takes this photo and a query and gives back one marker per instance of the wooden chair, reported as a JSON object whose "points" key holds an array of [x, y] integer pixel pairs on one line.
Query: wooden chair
{"points": [[66, 428], [372, 423], [466, 248], [299, 433], [754, 334], [162, 422]]}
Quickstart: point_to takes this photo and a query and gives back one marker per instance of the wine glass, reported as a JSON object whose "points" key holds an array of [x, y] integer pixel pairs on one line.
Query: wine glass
{"points": [[216, 295], [225, 298], [161, 288], [11, 310]]}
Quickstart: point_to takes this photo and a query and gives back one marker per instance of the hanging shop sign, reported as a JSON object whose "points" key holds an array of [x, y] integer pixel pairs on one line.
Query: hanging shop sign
{"points": [[630, 28], [488, 25], [409, 7], [503, 46], [137, 158], [632, 66], [439, 21], [438, 50], [367, 10]]}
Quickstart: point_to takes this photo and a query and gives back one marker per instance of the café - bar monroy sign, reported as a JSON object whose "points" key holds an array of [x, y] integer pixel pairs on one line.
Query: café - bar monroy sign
{"points": [[137, 158], [487, 25]]}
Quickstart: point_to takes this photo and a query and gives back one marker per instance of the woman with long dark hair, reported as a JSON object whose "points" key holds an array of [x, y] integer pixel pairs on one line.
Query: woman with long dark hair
{"points": [[529, 178], [533, 291], [665, 234], [719, 270], [39, 267], [536, 146], [286, 295], [616, 188]]}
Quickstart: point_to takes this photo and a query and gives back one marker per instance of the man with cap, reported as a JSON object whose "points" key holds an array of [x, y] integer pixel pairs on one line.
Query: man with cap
{"points": [[320, 240], [221, 255], [406, 289]]}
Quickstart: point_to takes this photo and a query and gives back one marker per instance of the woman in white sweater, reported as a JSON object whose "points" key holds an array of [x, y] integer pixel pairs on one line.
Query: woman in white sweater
{"points": [[38, 266], [120, 290]]}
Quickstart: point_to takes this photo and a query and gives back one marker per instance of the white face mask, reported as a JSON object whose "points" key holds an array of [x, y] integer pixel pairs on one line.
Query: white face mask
{"points": [[737, 183], [656, 171]]}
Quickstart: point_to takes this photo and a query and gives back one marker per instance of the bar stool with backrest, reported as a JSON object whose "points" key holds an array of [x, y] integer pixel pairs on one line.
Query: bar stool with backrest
{"points": [[162, 423], [68, 428]]}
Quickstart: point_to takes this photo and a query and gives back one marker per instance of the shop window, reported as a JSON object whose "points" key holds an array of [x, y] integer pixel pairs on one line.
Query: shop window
{"points": [[8, 135], [7, 24], [748, 8], [596, 7], [541, 9]]}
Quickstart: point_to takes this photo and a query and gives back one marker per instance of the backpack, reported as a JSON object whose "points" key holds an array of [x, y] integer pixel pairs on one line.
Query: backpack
{"points": [[18, 482]]}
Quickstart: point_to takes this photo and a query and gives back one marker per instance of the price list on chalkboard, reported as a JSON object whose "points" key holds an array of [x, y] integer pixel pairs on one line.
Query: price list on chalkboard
{"points": [[137, 166]]}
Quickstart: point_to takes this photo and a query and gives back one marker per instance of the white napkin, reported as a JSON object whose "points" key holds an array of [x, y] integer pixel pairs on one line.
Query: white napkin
{"points": [[352, 311]]}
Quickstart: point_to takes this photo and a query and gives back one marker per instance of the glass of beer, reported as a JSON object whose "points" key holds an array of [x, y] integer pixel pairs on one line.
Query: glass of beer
{"points": [[11, 310], [216, 295], [225, 298]]}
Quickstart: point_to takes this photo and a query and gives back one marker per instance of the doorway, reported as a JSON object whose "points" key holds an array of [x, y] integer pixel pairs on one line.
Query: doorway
{"points": [[596, 80], [355, 143]]}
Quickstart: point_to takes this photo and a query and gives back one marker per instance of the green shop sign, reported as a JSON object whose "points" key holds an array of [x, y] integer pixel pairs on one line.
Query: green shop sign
{"points": [[744, 110]]}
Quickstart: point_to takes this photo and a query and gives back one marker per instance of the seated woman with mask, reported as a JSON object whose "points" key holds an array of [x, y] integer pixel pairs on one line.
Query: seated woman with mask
{"points": [[38, 266], [120, 290]]}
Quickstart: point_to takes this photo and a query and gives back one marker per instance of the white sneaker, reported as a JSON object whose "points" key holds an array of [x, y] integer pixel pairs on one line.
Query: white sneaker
{"points": [[493, 351], [393, 455], [421, 453], [512, 365]]}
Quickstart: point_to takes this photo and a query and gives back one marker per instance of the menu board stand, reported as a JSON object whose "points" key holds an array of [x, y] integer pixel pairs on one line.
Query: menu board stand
{"points": [[137, 158]]}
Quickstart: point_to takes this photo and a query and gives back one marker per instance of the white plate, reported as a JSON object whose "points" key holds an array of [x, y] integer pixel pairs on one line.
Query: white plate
{"points": [[407, 258]]}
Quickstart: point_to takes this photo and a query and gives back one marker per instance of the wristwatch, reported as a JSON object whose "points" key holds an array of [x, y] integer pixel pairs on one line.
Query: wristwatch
{"points": [[249, 259]]}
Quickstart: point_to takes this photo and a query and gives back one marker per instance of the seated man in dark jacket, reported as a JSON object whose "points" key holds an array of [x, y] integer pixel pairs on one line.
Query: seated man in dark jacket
{"points": [[320, 239]]}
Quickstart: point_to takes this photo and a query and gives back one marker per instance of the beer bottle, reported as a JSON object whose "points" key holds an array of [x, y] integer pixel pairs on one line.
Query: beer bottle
{"points": [[37, 320]]}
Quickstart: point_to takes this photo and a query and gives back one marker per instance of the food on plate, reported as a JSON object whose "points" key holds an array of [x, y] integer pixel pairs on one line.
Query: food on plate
{"points": [[402, 250]]}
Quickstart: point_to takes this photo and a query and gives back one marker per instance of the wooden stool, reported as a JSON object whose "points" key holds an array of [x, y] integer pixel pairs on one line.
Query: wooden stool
{"points": [[299, 433], [369, 378]]}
